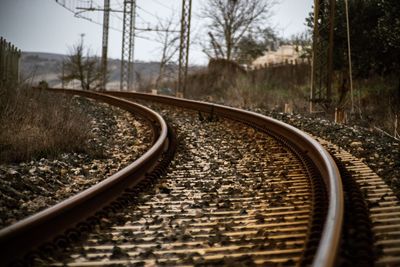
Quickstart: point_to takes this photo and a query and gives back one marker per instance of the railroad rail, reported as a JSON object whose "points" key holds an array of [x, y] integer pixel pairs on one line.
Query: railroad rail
{"points": [[375, 210], [17, 239], [328, 246], [324, 249]]}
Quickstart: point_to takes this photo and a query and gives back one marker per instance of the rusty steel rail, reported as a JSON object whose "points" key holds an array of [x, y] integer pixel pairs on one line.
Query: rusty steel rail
{"points": [[328, 247], [19, 238]]}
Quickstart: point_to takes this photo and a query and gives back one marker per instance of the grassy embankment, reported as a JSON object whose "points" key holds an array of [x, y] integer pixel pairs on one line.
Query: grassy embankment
{"points": [[39, 124], [271, 88]]}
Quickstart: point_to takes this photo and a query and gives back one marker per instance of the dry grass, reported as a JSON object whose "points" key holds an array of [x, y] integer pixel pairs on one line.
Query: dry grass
{"points": [[38, 124], [271, 88], [376, 99]]}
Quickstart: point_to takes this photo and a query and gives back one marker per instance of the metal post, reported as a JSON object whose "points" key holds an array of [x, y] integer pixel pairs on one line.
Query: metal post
{"points": [[128, 41], [131, 66], [313, 59], [106, 22], [349, 55], [329, 78], [184, 46]]}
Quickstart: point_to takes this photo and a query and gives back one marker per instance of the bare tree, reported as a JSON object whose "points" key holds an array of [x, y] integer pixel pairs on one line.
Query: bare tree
{"points": [[302, 42], [168, 38], [255, 43], [85, 69], [230, 20]]}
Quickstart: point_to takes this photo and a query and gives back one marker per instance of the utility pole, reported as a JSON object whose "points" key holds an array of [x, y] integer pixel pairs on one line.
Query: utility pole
{"points": [[184, 47], [106, 23], [128, 36], [322, 54], [349, 55], [128, 44]]}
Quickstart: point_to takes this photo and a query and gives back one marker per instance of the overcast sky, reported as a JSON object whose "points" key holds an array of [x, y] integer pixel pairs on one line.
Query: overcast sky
{"points": [[45, 26]]}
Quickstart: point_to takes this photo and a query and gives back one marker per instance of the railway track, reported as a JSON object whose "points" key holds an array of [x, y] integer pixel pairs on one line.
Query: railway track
{"points": [[378, 212], [245, 189], [235, 207], [60, 222]]}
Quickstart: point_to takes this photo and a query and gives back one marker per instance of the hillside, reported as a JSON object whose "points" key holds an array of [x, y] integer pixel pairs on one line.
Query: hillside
{"points": [[37, 66]]}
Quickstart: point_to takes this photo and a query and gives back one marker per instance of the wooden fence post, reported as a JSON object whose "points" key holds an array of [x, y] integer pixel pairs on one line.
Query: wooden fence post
{"points": [[9, 62], [2, 55]]}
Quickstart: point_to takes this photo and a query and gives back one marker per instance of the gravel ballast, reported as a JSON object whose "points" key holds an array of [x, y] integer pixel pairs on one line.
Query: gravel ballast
{"points": [[380, 152], [118, 138], [215, 203]]}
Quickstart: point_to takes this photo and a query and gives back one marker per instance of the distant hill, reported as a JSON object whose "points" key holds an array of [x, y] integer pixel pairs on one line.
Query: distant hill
{"points": [[41, 66], [36, 67]]}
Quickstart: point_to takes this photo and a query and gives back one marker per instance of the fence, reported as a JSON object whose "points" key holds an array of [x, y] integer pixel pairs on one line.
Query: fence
{"points": [[9, 62]]}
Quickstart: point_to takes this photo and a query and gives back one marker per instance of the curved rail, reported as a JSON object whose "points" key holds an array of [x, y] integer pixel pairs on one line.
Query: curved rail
{"points": [[23, 236], [328, 248]]}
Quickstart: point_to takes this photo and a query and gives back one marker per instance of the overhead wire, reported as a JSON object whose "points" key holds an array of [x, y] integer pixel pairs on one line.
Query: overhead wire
{"points": [[139, 16], [163, 5], [147, 12], [72, 6]]}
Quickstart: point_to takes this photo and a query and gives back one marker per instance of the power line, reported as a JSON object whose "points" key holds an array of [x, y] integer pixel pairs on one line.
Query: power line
{"points": [[140, 17], [145, 38], [81, 9], [147, 12], [98, 9], [162, 4], [114, 13], [120, 5], [73, 7]]}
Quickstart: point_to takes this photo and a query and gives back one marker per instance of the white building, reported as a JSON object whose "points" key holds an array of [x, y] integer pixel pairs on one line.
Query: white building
{"points": [[288, 54]]}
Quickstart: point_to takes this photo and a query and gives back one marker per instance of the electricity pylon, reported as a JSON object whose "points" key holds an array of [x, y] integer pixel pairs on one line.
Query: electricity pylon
{"points": [[106, 22], [322, 54], [128, 44], [184, 46]]}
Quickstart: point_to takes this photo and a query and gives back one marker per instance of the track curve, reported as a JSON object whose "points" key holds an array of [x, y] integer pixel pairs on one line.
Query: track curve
{"points": [[321, 249], [328, 246], [17, 239]]}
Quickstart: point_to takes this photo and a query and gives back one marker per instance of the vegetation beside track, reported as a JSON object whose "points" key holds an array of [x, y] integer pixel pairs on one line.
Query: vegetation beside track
{"points": [[34, 125], [117, 138]]}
